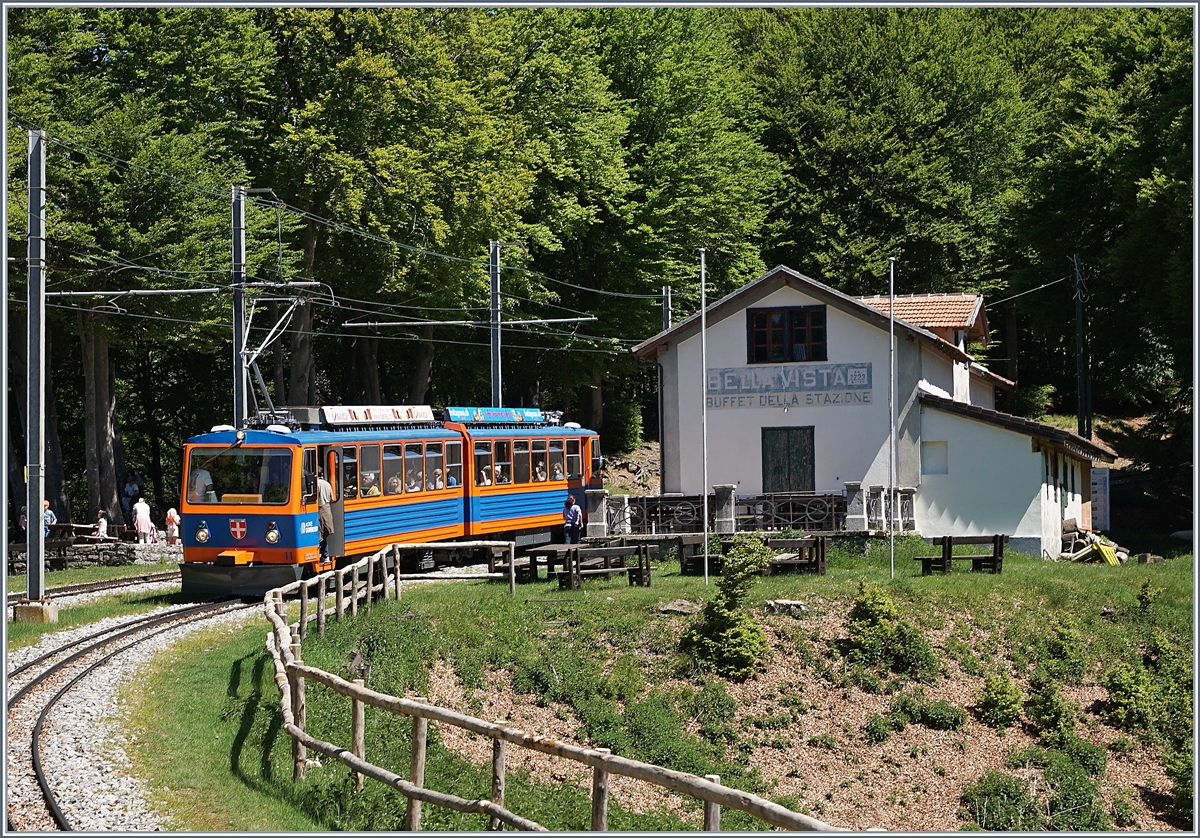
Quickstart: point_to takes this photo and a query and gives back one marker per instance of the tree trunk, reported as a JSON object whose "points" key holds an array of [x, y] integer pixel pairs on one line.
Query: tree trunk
{"points": [[56, 480], [596, 401], [1011, 340], [91, 414], [149, 396], [302, 384], [368, 369], [277, 359], [423, 374], [112, 446]]}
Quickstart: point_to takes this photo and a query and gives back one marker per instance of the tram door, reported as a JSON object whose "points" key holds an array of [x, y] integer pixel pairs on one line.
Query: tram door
{"points": [[332, 461]]}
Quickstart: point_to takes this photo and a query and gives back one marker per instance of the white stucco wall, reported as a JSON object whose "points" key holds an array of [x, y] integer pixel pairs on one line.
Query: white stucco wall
{"points": [[993, 483], [983, 393], [850, 440], [937, 372], [962, 382]]}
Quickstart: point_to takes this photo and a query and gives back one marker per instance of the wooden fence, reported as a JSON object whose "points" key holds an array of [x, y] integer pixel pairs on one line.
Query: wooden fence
{"points": [[284, 642]]}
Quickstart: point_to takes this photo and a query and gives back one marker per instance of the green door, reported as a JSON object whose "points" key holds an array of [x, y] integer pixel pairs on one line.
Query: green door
{"points": [[788, 464]]}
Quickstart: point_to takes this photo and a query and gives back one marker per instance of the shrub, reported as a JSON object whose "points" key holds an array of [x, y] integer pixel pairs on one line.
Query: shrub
{"points": [[941, 715], [725, 637], [1130, 698], [1001, 802], [823, 740], [1073, 805], [1032, 402], [1091, 758], [879, 637], [1179, 767], [1123, 813], [877, 729], [866, 680], [1048, 710], [906, 708], [1000, 701], [622, 426], [1062, 650]]}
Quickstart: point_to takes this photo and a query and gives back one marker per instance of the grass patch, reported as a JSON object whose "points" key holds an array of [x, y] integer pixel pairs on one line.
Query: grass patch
{"points": [[118, 605], [95, 573]]}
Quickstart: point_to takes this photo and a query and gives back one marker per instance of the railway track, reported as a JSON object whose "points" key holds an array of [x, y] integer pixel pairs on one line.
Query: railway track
{"points": [[91, 587], [54, 680]]}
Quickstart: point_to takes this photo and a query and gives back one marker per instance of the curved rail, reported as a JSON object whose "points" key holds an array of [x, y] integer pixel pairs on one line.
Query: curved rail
{"points": [[161, 622], [88, 587]]}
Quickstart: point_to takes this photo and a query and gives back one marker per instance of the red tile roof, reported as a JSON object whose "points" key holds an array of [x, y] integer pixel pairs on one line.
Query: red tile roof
{"points": [[931, 311]]}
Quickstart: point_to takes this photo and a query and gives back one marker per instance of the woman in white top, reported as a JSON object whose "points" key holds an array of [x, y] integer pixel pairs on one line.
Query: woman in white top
{"points": [[141, 520]]}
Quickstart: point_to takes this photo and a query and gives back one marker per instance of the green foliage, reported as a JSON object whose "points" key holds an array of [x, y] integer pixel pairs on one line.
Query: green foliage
{"points": [[823, 741], [880, 637], [1000, 802], [1000, 701], [941, 715], [1048, 710], [907, 708], [1178, 763], [1033, 401], [1062, 650], [1131, 697], [622, 427], [1123, 813], [1074, 803], [877, 729], [725, 637]]}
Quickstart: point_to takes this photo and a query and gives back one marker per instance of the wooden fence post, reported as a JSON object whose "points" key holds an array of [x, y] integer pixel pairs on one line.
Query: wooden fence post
{"points": [[712, 811], [386, 593], [303, 610], [340, 592], [396, 558], [370, 581], [358, 732], [321, 586], [412, 819], [299, 713], [354, 574], [600, 796], [498, 751], [512, 568]]}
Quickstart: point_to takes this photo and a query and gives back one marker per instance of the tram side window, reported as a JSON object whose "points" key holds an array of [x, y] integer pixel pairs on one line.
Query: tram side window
{"points": [[503, 461], [483, 464], [453, 464], [556, 460], [574, 463], [368, 471], [539, 460], [434, 479], [349, 471], [414, 468], [597, 459], [309, 470], [521, 460], [393, 469]]}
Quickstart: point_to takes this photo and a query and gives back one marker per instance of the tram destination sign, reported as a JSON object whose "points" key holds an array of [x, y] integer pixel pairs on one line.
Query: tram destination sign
{"points": [[789, 385]]}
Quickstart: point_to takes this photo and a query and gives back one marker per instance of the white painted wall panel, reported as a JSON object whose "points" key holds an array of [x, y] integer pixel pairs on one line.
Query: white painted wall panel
{"points": [[983, 394], [937, 372]]}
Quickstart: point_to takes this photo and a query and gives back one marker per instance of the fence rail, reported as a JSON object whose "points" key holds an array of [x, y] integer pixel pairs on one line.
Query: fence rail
{"points": [[806, 511], [284, 643]]}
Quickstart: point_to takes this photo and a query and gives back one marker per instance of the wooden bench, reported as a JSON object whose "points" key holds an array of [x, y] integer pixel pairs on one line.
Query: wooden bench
{"points": [[803, 554], [992, 562], [605, 561]]}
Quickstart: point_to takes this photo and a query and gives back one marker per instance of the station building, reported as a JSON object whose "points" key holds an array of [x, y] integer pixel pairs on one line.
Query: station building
{"points": [[797, 380]]}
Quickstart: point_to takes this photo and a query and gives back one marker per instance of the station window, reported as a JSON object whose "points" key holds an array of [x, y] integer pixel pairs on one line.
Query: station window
{"points": [[349, 471], [414, 467], [368, 471], [574, 461], [453, 464], [503, 469], [520, 461], [539, 460], [556, 460], [434, 479], [483, 463], [393, 469], [785, 335]]}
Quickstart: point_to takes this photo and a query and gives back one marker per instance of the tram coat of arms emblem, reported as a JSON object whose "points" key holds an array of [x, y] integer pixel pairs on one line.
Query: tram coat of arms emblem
{"points": [[237, 527]]}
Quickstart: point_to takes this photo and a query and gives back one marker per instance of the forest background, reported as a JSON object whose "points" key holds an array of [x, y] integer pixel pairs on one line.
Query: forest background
{"points": [[983, 148]]}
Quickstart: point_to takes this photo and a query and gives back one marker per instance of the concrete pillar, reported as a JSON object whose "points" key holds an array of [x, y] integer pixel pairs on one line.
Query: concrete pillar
{"points": [[856, 507], [726, 508], [621, 513], [597, 500]]}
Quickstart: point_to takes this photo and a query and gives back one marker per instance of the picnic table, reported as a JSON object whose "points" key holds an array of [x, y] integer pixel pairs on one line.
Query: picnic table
{"points": [[803, 554], [582, 562], [993, 561]]}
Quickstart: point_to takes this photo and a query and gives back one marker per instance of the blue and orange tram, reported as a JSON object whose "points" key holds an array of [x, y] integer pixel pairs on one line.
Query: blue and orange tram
{"points": [[398, 473]]}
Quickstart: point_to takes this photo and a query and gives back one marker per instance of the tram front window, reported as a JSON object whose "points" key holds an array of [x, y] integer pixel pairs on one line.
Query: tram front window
{"points": [[241, 475]]}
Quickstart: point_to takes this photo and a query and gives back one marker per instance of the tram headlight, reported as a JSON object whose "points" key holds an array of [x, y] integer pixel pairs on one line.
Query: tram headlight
{"points": [[272, 534], [202, 533]]}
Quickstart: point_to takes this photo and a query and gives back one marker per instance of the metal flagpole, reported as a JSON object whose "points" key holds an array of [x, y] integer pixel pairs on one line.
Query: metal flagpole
{"points": [[891, 511], [704, 409]]}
